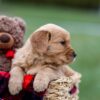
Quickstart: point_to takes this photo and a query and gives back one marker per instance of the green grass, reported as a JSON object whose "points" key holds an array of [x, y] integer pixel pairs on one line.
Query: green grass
{"points": [[86, 45]]}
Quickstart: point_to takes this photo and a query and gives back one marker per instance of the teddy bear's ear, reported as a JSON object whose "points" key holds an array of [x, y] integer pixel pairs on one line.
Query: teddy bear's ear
{"points": [[2, 16], [39, 41], [21, 23]]}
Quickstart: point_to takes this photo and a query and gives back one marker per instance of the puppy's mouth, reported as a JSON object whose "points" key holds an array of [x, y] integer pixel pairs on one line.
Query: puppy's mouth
{"points": [[70, 60]]}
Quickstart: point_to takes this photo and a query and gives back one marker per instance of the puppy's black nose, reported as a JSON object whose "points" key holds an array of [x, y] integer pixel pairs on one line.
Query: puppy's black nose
{"points": [[74, 54], [4, 38]]}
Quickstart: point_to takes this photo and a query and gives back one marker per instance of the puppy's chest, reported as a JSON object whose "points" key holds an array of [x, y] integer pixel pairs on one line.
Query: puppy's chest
{"points": [[60, 72], [34, 69]]}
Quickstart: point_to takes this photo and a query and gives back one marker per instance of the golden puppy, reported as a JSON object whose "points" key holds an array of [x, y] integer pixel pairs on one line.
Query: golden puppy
{"points": [[46, 53]]}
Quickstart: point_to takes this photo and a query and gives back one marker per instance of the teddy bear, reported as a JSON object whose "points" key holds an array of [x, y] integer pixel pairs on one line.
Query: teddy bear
{"points": [[12, 31]]}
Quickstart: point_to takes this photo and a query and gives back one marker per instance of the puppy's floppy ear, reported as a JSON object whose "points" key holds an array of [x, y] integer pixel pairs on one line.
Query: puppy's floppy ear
{"points": [[39, 41]]}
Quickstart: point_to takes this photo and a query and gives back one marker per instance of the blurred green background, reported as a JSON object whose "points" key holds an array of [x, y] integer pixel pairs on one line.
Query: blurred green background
{"points": [[81, 18]]}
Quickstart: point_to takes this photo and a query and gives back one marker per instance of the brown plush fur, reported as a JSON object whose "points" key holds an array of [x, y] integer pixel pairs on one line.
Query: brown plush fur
{"points": [[46, 53], [14, 28]]}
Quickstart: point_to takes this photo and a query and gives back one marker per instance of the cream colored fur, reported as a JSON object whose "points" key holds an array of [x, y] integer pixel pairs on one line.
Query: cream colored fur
{"points": [[47, 63]]}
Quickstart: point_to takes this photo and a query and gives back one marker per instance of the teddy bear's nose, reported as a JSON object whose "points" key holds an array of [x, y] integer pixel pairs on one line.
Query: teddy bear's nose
{"points": [[4, 38]]}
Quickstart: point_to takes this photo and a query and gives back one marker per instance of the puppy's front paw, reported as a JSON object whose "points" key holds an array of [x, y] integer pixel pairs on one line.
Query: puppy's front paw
{"points": [[40, 85], [15, 86]]}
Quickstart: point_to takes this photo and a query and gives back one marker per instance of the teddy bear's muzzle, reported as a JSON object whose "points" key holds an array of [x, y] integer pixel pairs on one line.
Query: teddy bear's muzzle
{"points": [[6, 41], [4, 38]]}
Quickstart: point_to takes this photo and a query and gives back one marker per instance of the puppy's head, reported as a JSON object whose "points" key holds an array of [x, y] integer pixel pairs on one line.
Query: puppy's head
{"points": [[53, 42]]}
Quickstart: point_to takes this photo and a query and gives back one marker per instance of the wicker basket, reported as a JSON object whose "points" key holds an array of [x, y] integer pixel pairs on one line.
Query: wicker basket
{"points": [[62, 89]]}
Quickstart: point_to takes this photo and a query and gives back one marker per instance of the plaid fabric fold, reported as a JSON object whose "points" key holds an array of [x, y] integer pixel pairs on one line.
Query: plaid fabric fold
{"points": [[26, 94]]}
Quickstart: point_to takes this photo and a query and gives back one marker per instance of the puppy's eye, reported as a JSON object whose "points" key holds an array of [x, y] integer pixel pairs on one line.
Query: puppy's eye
{"points": [[63, 42]]}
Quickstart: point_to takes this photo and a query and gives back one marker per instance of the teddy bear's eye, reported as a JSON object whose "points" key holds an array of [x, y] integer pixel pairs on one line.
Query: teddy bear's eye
{"points": [[63, 42]]}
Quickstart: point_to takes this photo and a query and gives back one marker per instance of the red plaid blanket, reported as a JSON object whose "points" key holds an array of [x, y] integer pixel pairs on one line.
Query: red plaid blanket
{"points": [[26, 94]]}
